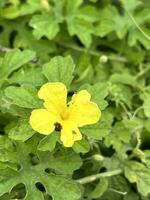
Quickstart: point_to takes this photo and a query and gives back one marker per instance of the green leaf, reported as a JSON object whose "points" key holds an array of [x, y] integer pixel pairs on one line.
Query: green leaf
{"points": [[64, 161], [121, 94], [80, 21], [100, 188], [101, 129], [98, 93], [147, 125], [118, 188], [146, 103], [130, 6], [25, 96], [124, 79], [121, 133], [6, 152], [22, 131], [45, 25], [81, 146], [66, 189], [6, 156], [72, 6], [59, 69], [88, 13], [106, 23], [48, 143], [5, 142], [30, 76], [10, 12], [133, 125], [56, 185], [147, 158], [14, 60], [83, 29], [137, 173], [30, 6], [96, 131]]}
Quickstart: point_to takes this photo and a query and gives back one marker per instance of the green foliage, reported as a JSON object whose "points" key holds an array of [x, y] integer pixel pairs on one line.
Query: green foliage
{"points": [[30, 174], [102, 47], [25, 96], [12, 61], [21, 131], [44, 25], [59, 69], [48, 143], [138, 173]]}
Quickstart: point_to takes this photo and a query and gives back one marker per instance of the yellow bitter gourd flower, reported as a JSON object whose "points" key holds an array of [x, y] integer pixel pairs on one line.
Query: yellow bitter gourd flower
{"points": [[63, 117]]}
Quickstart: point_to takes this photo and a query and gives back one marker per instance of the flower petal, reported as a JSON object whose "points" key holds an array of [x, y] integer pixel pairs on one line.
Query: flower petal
{"points": [[54, 96], [81, 96], [82, 110], [69, 135], [42, 121]]}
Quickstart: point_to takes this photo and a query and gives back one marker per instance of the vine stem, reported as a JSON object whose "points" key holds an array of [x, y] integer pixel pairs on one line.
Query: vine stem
{"points": [[117, 191], [143, 72], [92, 52], [136, 111], [126, 110], [138, 27], [92, 178], [4, 49]]}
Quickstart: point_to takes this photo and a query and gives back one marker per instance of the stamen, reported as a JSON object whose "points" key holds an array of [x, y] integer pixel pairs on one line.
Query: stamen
{"points": [[64, 115]]}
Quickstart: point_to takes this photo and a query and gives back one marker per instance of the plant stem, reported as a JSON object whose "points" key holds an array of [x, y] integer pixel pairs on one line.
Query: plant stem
{"points": [[142, 72], [136, 111], [117, 191], [126, 110], [4, 49], [138, 27], [94, 53], [92, 178]]}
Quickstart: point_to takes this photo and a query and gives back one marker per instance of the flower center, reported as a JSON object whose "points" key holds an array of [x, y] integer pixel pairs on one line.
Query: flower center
{"points": [[64, 115]]}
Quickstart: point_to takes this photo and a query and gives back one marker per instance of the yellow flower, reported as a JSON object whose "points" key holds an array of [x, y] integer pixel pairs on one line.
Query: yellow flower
{"points": [[60, 116]]}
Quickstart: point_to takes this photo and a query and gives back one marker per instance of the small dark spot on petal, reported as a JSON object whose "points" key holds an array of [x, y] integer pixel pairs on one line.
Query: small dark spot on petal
{"points": [[74, 133], [58, 126]]}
